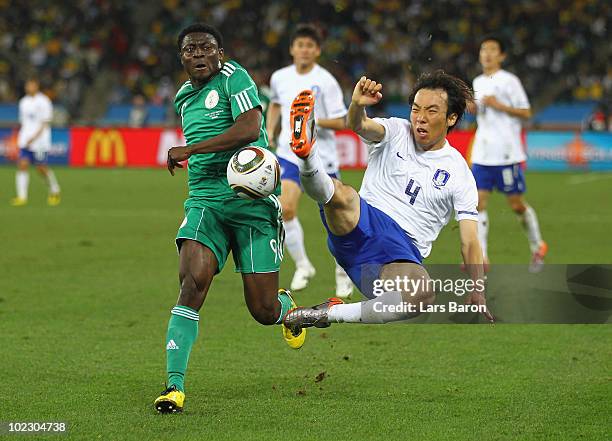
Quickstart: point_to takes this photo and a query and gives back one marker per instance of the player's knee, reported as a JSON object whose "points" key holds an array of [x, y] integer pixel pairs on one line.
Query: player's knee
{"points": [[518, 207], [343, 197], [190, 295], [483, 202], [420, 292], [265, 315], [289, 212]]}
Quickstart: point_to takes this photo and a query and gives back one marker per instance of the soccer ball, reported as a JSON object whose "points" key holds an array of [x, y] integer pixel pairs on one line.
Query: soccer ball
{"points": [[253, 173]]}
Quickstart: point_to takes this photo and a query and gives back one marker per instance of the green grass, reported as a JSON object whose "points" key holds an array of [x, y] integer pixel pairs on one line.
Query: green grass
{"points": [[85, 294]]}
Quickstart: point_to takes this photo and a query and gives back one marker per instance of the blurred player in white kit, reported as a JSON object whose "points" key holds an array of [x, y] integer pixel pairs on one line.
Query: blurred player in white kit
{"points": [[497, 151], [330, 110], [34, 140]]}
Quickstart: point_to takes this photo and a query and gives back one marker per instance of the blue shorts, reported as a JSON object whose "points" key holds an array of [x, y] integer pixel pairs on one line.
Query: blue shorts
{"points": [[376, 240], [36, 158], [508, 179], [292, 172]]}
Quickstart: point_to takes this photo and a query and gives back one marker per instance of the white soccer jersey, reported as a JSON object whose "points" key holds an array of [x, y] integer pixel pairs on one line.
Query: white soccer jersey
{"points": [[418, 189], [34, 111], [498, 137], [286, 83]]}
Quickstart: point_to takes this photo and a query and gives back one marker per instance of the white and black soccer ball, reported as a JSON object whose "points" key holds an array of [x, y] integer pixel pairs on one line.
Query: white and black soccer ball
{"points": [[253, 173]]}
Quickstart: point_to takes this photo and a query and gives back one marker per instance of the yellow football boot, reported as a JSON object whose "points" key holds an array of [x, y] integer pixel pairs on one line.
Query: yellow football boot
{"points": [[54, 199], [170, 401], [295, 341], [18, 202]]}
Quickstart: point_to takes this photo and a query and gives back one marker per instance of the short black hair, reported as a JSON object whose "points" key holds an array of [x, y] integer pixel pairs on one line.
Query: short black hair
{"points": [[200, 27], [458, 92], [499, 40], [306, 30]]}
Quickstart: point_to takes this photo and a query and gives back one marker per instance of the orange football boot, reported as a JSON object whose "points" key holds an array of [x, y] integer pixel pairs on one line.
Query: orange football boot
{"points": [[303, 130]]}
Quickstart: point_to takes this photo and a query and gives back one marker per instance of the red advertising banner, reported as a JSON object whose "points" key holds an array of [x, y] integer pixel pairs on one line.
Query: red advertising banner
{"points": [[126, 147], [93, 147], [462, 141]]}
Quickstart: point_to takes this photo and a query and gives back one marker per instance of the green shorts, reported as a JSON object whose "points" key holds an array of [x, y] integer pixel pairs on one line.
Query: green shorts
{"points": [[252, 230]]}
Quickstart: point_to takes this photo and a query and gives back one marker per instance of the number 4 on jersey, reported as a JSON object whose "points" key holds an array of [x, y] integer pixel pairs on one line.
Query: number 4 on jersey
{"points": [[412, 192]]}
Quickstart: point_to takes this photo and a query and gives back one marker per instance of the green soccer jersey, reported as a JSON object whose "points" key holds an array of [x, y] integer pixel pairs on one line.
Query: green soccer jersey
{"points": [[210, 111]]}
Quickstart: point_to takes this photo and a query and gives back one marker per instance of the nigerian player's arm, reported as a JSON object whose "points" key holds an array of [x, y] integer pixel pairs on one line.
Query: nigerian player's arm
{"points": [[366, 93], [472, 256], [244, 130], [272, 121]]}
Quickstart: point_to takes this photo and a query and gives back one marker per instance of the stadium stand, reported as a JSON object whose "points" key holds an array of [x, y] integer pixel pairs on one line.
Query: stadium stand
{"points": [[94, 56]]}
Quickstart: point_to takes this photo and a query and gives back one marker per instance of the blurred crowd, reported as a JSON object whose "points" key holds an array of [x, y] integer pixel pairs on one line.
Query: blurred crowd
{"points": [[557, 47], [64, 44]]}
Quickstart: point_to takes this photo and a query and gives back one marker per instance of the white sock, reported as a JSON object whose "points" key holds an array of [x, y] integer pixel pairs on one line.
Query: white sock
{"points": [[294, 240], [22, 179], [483, 230], [54, 187], [529, 220], [345, 313], [317, 184], [388, 307]]}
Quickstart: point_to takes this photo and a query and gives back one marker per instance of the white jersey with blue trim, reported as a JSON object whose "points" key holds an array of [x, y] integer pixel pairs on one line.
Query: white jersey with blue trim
{"points": [[498, 136], [34, 111], [285, 84], [418, 189]]}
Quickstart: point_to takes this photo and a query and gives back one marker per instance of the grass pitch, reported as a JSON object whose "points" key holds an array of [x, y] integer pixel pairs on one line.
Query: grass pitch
{"points": [[85, 294]]}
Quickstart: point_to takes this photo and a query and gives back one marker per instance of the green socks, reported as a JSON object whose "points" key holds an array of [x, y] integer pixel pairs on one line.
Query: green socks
{"points": [[286, 304], [182, 332]]}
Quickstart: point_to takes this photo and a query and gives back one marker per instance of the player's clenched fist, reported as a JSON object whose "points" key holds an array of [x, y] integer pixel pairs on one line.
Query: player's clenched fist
{"points": [[367, 92]]}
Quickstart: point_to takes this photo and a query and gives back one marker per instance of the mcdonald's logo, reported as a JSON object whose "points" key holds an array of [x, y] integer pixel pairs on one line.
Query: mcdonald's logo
{"points": [[105, 145]]}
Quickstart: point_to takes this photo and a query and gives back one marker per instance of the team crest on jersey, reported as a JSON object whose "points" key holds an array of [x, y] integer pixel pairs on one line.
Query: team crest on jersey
{"points": [[211, 99], [440, 178]]}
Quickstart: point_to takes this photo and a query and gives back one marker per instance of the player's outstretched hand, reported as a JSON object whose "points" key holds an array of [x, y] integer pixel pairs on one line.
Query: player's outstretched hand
{"points": [[367, 92], [478, 298], [176, 155]]}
